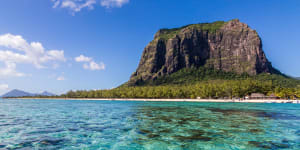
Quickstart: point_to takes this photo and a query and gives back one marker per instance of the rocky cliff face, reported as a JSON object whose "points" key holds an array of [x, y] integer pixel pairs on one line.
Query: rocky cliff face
{"points": [[228, 46]]}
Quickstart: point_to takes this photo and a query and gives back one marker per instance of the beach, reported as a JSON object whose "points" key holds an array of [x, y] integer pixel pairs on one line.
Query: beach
{"points": [[174, 100]]}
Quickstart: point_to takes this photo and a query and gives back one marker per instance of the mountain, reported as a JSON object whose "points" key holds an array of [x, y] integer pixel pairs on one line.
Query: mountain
{"points": [[230, 47], [19, 93], [298, 78], [207, 60], [45, 93]]}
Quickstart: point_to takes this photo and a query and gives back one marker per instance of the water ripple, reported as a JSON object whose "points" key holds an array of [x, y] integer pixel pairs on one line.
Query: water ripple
{"points": [[45, 124]]}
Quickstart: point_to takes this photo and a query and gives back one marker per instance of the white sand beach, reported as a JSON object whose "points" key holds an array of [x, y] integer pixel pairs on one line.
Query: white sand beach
{"points": [[173, 100]]}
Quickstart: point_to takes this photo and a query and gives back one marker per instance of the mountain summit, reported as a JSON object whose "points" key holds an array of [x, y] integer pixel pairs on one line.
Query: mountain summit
{"points": [[46, 93], [20, 93], [17, 93], [226, 46]]}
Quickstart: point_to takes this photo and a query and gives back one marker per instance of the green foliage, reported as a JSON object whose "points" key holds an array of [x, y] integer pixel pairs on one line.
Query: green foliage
{"points": [[210, 27], [201, 82], [205, 89], [193, 75], [189, 76]]}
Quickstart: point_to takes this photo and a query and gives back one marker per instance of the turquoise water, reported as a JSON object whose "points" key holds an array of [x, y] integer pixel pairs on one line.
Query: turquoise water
{"points": [[54, 124]]}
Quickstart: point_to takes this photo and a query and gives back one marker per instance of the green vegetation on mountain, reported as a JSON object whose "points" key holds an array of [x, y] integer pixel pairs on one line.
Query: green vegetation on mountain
{"points": [[201, 82], [189, 76], [166, 34]]}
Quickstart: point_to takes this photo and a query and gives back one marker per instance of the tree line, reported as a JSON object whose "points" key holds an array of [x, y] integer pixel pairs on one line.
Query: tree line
{"points": [[207, 89]]}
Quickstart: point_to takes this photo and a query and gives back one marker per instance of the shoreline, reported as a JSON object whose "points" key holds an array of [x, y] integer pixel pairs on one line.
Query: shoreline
{"points": [[171, 100]]}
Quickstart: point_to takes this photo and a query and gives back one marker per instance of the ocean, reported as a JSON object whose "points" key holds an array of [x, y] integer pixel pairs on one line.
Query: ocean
{"points": [[131, 125]]}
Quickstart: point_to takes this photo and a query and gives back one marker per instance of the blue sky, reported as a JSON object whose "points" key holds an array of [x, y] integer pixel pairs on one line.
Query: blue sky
{"points": [[41, 39]]}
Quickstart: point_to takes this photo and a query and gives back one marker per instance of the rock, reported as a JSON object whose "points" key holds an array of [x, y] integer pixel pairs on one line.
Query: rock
{"points": [[228, 46]]}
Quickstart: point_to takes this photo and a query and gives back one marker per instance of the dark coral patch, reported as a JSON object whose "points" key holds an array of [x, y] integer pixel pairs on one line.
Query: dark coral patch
{"points": [[194, 137], [51, 141]]}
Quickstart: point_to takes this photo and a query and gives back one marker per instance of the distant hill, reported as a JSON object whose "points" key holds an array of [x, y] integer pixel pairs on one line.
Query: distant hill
{"points": [[17, 93], [20, 93], [45, 93]]}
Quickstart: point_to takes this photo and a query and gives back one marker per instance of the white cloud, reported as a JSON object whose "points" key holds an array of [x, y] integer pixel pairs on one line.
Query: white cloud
{"points": [[90, 64], [14, 41], [94, 66], [78, 5], [74, 5], [60, 78], [113, 3], [55, 65], [9, 56], [54, 55], [56, 3], [3, 87], [27, 53], [10, 70], [83, 58]]}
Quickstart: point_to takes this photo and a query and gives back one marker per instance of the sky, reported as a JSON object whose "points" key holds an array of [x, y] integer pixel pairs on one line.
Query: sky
{"points": [[62, 45]]}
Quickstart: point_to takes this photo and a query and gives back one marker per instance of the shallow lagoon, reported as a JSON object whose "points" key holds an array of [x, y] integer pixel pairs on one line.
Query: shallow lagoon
{"points": [[58, 124]]}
